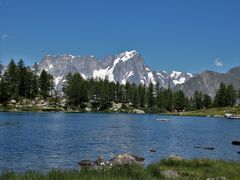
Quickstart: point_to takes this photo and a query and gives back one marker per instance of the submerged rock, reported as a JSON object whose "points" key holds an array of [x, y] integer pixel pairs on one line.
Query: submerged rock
{"points": [[237, 142], [205, 147], [152, 150]]}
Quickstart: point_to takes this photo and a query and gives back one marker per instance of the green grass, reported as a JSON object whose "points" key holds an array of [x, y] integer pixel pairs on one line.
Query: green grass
{"points": [[215, 111], [188, 169], [211, 112]]}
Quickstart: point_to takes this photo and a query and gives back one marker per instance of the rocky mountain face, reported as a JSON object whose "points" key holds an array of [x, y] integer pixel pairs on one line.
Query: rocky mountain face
{"points": [[127, 66], [208, 82]]}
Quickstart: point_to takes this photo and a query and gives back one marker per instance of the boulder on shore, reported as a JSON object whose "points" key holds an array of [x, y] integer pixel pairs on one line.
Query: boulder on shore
{"points": [[88, 109], [13, 101], [126, 159], [175, 158], [138, 111], [118, 160]]}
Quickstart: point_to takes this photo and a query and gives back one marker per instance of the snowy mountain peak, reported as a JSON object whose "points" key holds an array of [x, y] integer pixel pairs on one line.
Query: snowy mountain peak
{"points": [[68, 56], [127, 55], [125, 67]]}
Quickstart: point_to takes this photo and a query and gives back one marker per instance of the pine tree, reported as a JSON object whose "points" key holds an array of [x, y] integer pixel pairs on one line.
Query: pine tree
{"points": [[142, 95], [198, 99], [168, 99], [135, 97], [231, 95], [1, 68], [76, 90], [179, 101], [22, 79], [46, 84], [11, 79], [128, 92], [160, 99], [32, 85], [4, 91], [220, 98], [157, 88], [150, 95], [207, 101]]}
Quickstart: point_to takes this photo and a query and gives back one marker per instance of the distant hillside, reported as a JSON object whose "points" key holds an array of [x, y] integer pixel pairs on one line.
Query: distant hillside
{"points": [[208, 82]]}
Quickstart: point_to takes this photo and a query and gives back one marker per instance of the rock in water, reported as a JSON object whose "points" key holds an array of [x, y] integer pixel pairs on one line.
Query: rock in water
{"points": [[206, 147], [152, 150], [138, 158], [100, 160], [236, 142], [86, 163]]}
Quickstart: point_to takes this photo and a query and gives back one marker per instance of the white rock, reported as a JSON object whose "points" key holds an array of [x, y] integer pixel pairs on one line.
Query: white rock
{"points": [[138, 111], [13, 101]]}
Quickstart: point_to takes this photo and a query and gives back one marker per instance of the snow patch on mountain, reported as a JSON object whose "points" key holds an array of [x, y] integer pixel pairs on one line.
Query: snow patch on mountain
{"points": [[108, 72], [175, 74], [128, 55], [151, 78], [190, 75], [83, 75], [57, 80], [50, 66], [124, 81], [180, 81]]}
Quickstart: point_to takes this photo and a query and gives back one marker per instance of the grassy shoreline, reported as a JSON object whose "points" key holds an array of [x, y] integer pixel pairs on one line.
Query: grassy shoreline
{"points": [[213, 112], [183, 169]]}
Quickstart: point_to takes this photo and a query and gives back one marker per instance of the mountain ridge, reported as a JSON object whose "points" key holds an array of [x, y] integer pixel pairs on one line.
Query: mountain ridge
{"points": [[129, 66], [209, 81], [125, 67]]}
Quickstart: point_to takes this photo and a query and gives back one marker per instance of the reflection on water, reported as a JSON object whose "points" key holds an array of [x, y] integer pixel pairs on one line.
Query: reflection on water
{"points": [[43, 141]]}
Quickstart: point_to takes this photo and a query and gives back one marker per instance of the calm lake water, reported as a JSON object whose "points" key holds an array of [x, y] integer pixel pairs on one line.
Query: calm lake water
{"points": [[44, 141]]}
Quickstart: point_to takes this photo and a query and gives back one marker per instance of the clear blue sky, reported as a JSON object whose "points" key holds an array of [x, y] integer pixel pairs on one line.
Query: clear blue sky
{"points": [[186, 35]]}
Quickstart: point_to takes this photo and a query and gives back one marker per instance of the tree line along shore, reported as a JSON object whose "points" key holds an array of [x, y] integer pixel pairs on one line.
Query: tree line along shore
{"points": [[24, 89]]}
